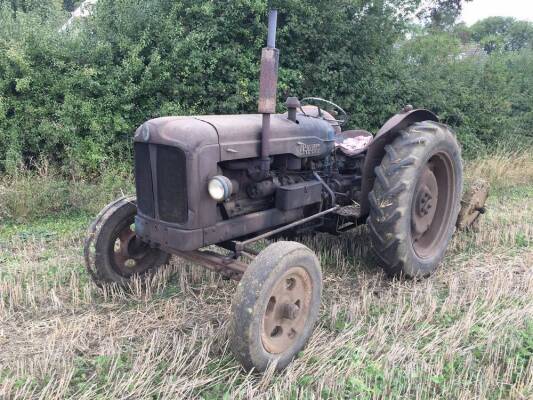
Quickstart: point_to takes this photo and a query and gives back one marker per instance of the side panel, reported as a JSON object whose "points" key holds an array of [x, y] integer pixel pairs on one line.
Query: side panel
{"points": [[376, 151], [240, 135]]}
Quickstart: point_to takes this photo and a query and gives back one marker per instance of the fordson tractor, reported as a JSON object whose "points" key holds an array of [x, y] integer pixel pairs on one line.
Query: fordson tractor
{"points": [[207, 187]]}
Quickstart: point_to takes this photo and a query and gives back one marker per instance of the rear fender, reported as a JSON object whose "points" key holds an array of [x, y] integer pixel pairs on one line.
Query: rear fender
{"points": [[388, 132]]}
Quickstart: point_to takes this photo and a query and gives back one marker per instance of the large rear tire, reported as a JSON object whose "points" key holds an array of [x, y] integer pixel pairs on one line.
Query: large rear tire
{"points": [[113, 254], [416, 199]]}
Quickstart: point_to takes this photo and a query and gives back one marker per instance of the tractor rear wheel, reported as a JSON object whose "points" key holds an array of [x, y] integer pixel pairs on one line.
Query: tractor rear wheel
{"points": [[276, 306], [113, 253], [416, 199]]}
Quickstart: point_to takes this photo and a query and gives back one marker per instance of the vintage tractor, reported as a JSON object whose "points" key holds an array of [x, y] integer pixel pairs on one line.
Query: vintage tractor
{"points": [[227, 181]]}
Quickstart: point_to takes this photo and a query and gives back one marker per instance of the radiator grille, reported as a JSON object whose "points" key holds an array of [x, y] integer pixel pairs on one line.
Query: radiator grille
{"points": [[143, 180], [172, 184]]}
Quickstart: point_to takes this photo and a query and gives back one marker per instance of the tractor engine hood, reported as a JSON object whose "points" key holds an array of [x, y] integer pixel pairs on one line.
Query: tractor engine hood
{"points": [[239, 136]]}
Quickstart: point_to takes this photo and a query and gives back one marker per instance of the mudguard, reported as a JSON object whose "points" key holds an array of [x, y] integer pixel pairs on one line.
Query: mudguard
{"points": [[376, 150]]}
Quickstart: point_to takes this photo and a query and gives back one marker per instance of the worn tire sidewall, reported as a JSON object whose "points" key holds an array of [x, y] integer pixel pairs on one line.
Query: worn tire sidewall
{"points": [[249, 305], [416, 266]]}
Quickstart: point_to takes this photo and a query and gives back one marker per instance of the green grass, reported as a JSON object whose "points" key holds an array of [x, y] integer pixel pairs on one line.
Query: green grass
{"points": [[47, 228]]}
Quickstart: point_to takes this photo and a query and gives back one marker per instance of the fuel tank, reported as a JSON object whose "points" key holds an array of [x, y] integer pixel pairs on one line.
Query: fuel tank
{"points": [[239, 136]]}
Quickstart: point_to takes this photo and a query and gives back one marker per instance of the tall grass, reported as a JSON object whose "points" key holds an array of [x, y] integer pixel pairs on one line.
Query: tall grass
{"points": [[30, 195], [43, 192], [503, 169]]}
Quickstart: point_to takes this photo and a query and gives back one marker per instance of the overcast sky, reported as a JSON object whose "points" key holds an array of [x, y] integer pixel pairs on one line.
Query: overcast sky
{"points": [[479, 9]]}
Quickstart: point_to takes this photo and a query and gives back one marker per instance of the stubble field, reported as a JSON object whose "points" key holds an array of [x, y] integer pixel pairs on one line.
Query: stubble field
{"points": [[464, 333]]}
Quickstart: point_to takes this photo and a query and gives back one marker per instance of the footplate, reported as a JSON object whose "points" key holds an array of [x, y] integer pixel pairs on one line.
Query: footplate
{"points": [[349, 212]]}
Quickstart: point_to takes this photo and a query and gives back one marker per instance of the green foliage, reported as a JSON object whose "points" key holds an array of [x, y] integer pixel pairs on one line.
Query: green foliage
{"points": [[502, 34], [440, 14], [488, 99], [45, 9], [74, 98]]}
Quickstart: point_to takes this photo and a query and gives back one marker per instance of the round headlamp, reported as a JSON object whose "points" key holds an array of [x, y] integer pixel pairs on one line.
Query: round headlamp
{"points": [[145, 132], [220, 188]]}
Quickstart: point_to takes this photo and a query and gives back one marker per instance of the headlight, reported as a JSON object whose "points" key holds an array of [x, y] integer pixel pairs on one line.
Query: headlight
{"points": [[220, 188], [145, 132]]}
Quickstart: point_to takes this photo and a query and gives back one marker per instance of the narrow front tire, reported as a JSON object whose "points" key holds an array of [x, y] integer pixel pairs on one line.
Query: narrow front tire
{"points": [[113, 253], [276, 306]]}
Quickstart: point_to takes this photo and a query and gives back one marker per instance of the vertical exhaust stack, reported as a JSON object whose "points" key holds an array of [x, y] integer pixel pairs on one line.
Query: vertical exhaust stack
{"points": [[268, 84]]}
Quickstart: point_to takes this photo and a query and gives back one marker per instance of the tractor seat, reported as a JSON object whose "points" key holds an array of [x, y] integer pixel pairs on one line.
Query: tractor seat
{"points": [[353, 142]]}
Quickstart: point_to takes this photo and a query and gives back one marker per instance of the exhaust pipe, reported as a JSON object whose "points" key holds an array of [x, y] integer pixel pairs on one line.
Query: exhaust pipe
{"points": [[268, 84]]}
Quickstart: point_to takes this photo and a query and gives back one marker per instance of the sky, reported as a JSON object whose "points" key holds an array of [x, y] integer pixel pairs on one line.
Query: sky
{"points": [[479, 9]]}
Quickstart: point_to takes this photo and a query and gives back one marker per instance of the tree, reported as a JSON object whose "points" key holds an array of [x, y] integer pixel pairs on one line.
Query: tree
{"points": [[503, 33], [440, 14], [133, 60], [70, 5]]}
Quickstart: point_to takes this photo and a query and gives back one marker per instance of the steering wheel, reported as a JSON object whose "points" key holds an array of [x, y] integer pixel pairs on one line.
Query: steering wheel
{"points": [[341, 116]]}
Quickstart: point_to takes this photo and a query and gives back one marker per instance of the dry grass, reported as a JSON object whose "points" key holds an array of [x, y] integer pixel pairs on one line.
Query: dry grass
{"points": [[465, 333], [504, 169]]}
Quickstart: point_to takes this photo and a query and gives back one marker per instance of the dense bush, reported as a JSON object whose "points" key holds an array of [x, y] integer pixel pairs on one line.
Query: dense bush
{"points": [[74, 98], [488, 99]]}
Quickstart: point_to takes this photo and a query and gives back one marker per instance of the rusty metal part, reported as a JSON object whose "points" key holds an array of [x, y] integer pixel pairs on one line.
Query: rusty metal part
{"points": [[265, 139], [112, 251], [315, 112], [473, 204], [328, 189], [239, 246], [287, 310], [225, 265], [376, 149], [425, 202], [268, 81], [268, 87], [128, 251], [297, 195], [432, 204], [292, 105], [352, 211]]}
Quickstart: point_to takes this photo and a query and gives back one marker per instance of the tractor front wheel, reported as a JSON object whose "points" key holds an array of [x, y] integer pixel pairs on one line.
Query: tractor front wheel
{"points": [[113, 253], [416, 199], [276, 306]]}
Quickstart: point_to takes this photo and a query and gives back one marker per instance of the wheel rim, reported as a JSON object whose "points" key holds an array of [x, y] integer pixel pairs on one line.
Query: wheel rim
{"points": [[129, 255], [433, 205], [287, 310]]}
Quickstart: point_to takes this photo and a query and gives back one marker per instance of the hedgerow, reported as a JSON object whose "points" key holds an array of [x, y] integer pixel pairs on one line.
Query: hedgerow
{"points": [[75, 97]]}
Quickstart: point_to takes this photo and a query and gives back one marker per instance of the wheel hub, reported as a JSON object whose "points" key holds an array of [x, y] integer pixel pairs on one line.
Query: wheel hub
{"points": [[426, 198], [433, 205], [129, 251], [287, 311]]}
